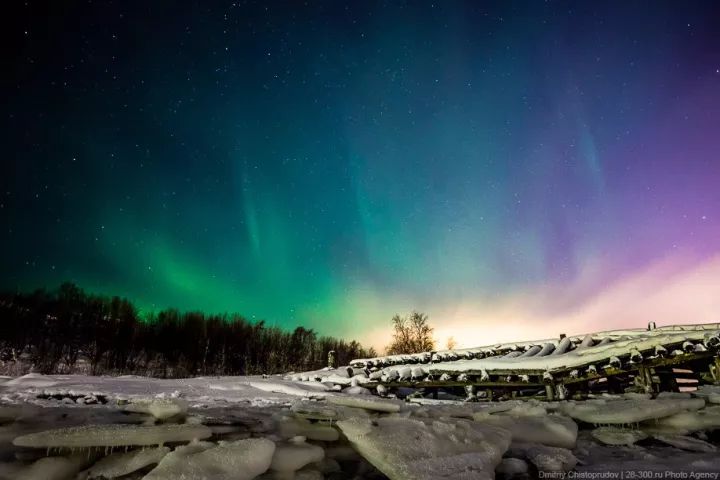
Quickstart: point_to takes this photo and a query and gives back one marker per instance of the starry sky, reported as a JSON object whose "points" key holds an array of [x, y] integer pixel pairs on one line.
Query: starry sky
{"points": [[514, 169]]}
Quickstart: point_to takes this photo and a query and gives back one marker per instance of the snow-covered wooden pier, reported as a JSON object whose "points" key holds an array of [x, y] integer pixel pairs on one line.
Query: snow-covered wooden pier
{"points": [[649, 360]]}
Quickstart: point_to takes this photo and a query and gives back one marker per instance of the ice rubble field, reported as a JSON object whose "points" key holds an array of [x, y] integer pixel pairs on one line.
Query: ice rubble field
{"points": [[67, 427]]}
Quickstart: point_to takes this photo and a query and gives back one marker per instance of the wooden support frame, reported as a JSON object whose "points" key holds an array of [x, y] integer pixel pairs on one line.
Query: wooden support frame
{"points": [[647, 375]]}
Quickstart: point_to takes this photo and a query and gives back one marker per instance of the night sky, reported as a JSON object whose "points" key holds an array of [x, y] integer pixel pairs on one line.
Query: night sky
{"points": [[514, 169]]}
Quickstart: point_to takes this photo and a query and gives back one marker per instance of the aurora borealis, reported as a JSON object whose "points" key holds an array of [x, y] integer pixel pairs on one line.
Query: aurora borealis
{"points": [[514, 169]]}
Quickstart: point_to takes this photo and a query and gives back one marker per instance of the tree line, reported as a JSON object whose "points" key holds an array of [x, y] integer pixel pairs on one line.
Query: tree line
{"points": [[70, 331]]}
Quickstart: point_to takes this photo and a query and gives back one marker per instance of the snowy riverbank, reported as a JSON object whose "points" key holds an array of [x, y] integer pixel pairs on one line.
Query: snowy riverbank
{"points": [[254, 427]]}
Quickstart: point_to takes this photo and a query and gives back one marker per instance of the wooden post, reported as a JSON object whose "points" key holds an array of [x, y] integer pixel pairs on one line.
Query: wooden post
{"points": [[715, 370], [549, 393], [562, 391], [331, 359], [643, 379]]}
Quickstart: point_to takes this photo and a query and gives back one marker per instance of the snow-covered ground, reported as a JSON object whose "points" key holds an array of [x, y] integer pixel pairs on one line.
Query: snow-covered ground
{"points": [[65, 427]]}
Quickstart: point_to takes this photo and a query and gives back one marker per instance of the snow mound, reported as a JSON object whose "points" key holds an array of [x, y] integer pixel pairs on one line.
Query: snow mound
{"points": [[160, 408], [294, 455], [415, 449], [119, 464], [628, 410], [617, 436], [239, 460], [366, 402], [31, 380], [112, 436]]}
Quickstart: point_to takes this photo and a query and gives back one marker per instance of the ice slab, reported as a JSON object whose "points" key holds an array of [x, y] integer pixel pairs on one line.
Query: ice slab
{"points": [[52, 468], [546, 459], [687, 422], [366, 402], [239, 460], [295, 454], [160, 408], [112, 436], [119, 464], [687, 443], [427, 449], [294, 427], [550, 430], [628, 410], [618, 436]]}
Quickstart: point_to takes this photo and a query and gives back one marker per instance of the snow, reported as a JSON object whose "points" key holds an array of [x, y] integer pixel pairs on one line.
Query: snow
{"points": [[425, 449], [648, 340], [548, 356]]}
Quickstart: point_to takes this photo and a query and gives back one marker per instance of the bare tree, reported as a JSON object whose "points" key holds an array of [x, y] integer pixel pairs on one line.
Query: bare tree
{"points": [[451, 343], [411, 334]]}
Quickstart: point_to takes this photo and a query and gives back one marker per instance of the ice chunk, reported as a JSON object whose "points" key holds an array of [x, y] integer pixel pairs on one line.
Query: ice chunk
{"points": [[424, 449], [239, 460], [686, 422], [356, 390], [313, 410], [618, 436], [112, 436], [119, 464], [366, 402], [10, 413], [512, 466], [311, 390], [295, 454], [293, 427], [160, 408], [52, 468], [342, 453], [687, 443], [546, 459], [327, 465], [550, 430], [628, 410], [308, 475], [711, 393]]}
